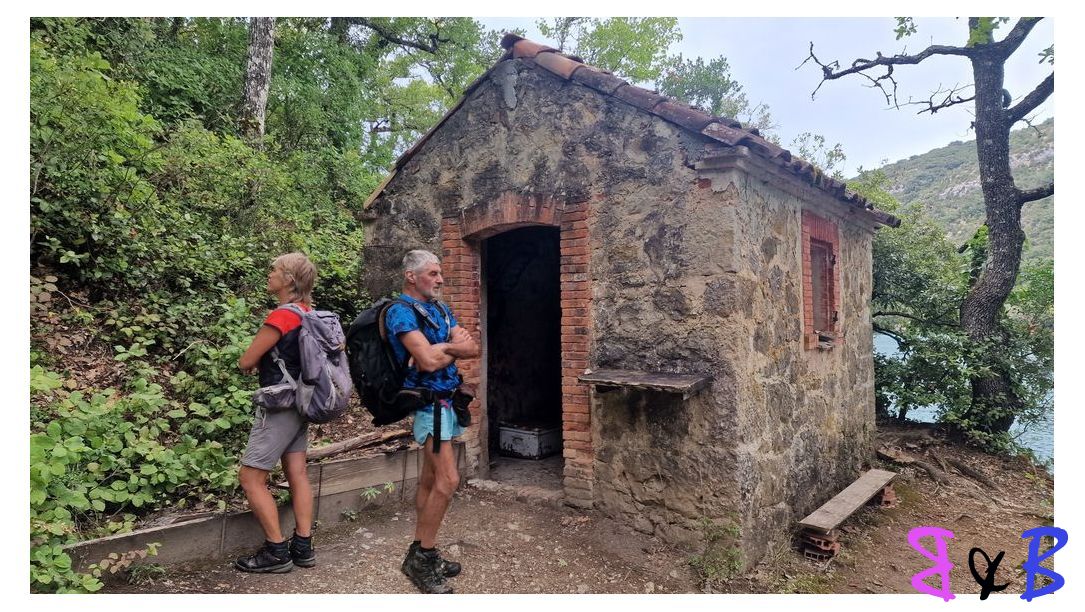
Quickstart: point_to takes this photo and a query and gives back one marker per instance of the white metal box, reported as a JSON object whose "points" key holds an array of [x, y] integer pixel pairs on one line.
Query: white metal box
{"points": [[528, 442]]}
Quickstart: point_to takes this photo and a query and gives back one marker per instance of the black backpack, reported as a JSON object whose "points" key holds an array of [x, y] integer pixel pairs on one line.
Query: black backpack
{"points": [[376, 373]]}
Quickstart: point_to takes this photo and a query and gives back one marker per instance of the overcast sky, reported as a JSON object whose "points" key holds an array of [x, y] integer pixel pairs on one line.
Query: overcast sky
{"points": [[764, 52]]}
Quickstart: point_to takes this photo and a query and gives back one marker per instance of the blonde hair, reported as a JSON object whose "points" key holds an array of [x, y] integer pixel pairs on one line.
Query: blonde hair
{"points": [[300, 272]]}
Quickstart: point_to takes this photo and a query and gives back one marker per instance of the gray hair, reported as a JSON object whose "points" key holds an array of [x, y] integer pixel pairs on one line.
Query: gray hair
{"points": [[418, 259]]}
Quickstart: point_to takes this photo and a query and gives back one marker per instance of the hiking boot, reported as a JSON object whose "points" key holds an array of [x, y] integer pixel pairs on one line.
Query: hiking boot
{"points": [[421, 568], [449, 569], [301, 551], [271, 558]]}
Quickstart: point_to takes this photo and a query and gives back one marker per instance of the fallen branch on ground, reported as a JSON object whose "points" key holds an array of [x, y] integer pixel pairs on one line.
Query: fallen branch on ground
{"points": [[936, 474], [941, 462], [370, 439], [968, 471]]}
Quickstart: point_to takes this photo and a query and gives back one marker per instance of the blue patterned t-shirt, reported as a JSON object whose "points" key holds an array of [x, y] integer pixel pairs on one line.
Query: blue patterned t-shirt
{"points": [[401, 319]]}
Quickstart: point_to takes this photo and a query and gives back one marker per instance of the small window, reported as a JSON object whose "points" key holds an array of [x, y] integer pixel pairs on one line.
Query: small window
{"points": [[821, 279], [821, 294]]}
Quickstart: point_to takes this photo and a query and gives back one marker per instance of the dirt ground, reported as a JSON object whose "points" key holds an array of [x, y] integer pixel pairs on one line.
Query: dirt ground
{"points": [[509, 545], [875, 556], [505, 546]]}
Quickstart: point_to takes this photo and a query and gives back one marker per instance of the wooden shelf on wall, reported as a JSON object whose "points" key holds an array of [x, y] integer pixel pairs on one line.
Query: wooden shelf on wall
{"points": [[685, 384]]}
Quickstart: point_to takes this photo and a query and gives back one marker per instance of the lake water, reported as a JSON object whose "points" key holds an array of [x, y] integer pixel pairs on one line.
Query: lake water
{"points": [[1039, 437]]}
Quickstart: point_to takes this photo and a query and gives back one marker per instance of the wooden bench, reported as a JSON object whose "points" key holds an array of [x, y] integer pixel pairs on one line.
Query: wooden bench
{"points": [[818, 536]]}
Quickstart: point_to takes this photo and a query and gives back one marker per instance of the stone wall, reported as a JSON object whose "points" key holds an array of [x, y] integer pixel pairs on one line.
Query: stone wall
{"points": [[805, 417]]}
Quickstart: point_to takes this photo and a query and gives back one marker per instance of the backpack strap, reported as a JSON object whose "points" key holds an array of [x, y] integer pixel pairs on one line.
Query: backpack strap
{"points": [[282, 366], [448, 319], [294, 308], [438, 409], [383, 329]]}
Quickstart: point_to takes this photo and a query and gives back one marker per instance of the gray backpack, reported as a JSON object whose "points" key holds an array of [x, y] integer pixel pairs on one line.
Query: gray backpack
{"points": [[322, 392]]}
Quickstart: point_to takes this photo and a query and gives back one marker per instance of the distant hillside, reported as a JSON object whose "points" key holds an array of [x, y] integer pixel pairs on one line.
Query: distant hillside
{"points": [[947, 181]]}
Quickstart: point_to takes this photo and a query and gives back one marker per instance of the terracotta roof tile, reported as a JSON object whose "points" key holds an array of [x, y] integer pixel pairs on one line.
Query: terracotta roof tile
{"points": [[685, 116], [724, 133], [640, 98], [598, 80], [557, 63], [522, 47], [763, 147]]}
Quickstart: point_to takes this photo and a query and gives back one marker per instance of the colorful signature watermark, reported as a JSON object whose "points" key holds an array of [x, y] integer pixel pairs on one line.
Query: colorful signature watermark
{"points": [[942, 564]]}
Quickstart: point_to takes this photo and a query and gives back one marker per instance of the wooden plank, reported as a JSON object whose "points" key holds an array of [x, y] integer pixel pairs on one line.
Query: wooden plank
{"points": [[840, 507], [351, 474], [686, 384], [361, 473]]}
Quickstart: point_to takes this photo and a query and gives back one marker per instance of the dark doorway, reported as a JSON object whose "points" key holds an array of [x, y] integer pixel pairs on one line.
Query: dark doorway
{"points": [[523, 355]]}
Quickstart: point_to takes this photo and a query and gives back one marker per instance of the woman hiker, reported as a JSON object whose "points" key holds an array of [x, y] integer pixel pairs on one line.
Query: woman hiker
{"points": [[279, 434]]}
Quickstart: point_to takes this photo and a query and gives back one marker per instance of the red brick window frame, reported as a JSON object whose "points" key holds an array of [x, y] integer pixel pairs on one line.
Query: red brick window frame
{"points": [[820, 282]]}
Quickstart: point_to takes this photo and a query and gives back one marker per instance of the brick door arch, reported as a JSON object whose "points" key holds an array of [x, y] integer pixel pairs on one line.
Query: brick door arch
{"points": [[461, 239]]}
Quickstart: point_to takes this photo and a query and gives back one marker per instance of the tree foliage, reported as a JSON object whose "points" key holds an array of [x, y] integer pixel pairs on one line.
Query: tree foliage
{"points": [[920, 281], [814, 149], [710, 87], [634, 47]]}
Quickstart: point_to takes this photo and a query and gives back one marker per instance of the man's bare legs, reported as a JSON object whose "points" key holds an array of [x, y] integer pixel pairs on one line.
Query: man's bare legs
{"points": [[445, 478]]}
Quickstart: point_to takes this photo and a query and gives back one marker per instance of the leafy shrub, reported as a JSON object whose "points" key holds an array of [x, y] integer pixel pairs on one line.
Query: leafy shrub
{"points": [[721, 558]]}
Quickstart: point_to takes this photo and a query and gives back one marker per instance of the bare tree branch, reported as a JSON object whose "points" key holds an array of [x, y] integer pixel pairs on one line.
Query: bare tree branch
{"points": [[386, 34], [952, 98], [1028, 121], [442, 83], [1017, 35], [1029, 103], [1031, 195], [832, 71], [899, 339], [906, 315]]}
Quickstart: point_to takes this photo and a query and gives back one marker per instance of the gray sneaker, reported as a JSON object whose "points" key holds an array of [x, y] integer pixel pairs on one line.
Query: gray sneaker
{"points": [[269, 559]]}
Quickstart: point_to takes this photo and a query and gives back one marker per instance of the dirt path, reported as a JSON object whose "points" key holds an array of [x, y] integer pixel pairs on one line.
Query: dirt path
{"points": [[510, 546], [505, 545]]}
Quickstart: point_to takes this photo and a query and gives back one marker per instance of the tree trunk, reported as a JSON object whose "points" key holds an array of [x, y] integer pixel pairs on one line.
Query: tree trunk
{"points": [[994, 401], [340, 28], [257, 79]]}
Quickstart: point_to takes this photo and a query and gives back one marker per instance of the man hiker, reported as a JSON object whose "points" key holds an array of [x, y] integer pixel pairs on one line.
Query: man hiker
{"points": [[423, 333]]}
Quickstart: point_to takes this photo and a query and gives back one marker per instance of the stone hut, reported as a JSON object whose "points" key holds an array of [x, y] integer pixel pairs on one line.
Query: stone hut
{"points": [[686, 303]]}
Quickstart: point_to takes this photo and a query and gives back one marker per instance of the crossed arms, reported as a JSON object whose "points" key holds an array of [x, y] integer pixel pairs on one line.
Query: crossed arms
{"points": [[432, 357]]}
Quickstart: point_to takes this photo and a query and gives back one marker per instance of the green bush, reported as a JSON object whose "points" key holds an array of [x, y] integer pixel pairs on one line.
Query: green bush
{"points": [[920, 281], [97, 455]]}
